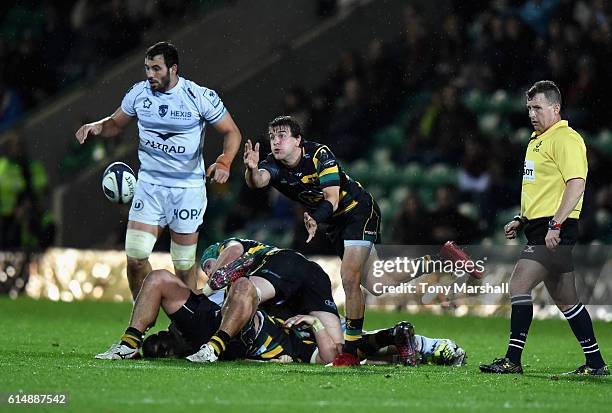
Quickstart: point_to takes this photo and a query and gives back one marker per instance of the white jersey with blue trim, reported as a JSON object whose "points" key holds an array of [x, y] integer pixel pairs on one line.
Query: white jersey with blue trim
{"points": [[171, 127]]}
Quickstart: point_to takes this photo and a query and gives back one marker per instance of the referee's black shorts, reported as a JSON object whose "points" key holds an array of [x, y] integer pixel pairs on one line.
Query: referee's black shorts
{"points": [[560, 260]]}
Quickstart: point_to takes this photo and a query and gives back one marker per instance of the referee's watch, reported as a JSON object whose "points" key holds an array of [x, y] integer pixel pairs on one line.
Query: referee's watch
{"points": [[521, 220], [554, 225]]}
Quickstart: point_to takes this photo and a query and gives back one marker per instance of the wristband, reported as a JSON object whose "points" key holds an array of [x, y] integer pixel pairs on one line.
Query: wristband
{"points": [[317, 325], [221, 160], [554, 225], [521, 220], [323, 212]]}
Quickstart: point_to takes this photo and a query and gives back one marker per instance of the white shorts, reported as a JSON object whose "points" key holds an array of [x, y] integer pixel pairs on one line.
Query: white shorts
{"points": [[182, 209]]}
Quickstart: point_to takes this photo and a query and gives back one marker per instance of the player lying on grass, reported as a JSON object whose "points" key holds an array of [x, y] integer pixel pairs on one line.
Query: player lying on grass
{"points": [[195, 318], [382, 346], [280, 276], [262, 337]]}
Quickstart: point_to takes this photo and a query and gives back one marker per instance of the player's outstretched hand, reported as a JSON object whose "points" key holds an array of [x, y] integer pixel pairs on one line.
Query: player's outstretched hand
{"points": [[311, 226], [511, 229], [251, 155], [300, 319], [93, 128]]}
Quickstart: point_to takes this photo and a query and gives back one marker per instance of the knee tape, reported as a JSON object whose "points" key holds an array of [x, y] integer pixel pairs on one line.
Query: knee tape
{"points": [[139, 244], [183, 256]]}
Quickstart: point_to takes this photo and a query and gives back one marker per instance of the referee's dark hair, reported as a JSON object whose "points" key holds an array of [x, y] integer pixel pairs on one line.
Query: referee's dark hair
{"points": [[166, 49], [288, 121], [548, 88]]}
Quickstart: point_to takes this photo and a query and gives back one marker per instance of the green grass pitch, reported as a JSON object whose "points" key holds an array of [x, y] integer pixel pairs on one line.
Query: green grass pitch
{"points": [[49, 347]]}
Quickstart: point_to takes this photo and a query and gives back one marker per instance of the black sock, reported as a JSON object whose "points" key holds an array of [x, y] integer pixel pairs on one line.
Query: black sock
{"points": [[352, 335], [132, 338], [520, 320], [219, 342], [375, 340], [580, 321]]}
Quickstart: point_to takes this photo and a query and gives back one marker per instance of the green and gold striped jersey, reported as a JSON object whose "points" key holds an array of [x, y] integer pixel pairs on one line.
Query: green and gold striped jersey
{"points": [[317, 169], [275, 340]]}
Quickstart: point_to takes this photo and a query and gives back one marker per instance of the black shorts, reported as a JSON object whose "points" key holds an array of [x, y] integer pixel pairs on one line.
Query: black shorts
{"points": [[560, 260], [361, 223], [197, 320], [301, 285]]}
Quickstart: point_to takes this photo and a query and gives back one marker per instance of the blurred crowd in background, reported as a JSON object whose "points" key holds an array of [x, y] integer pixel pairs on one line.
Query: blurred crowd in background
{"points": [[432, 122]]}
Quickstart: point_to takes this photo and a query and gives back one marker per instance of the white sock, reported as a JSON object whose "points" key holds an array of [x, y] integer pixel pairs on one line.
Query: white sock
{"points": [[426, 345]]}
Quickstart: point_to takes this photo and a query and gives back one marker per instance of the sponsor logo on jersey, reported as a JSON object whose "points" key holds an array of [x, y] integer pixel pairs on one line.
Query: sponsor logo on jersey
{"points": [[179, 114], [164, 136], [213, 98], [165, 148], [138, 205], [147, 103], [529, 171], [187, 213], [163, 109], [537, 147]]}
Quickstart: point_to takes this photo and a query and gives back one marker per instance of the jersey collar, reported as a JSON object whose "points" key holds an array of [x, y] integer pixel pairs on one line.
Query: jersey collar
{"points": [[548, 132]]}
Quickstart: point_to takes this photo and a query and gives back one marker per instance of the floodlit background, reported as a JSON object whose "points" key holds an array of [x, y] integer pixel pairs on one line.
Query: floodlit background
{"points": [[423, 102]]}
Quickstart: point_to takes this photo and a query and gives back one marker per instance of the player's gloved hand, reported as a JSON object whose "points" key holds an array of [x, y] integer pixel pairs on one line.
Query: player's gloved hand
{"points": [[311, 226], [251, 155], [89, 128], [220, 170]]}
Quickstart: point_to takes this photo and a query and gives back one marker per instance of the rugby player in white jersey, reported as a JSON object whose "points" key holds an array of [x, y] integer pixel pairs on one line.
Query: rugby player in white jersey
{"points": [[172, 113]]}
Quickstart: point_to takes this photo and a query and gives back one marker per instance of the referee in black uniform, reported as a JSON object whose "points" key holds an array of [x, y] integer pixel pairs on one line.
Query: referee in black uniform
{"points": [[554, 178]]}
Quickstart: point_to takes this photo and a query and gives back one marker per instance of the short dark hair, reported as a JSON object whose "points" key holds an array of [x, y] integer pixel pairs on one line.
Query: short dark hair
{"points": [[288, 121], [166, 49], [548, 88], [159, 345]]}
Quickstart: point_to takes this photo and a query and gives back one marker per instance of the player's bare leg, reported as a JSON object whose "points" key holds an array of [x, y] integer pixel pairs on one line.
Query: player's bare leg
{"points": [[265, 287], [353, 262], [139, 244], [159, 289], [183, 252], [240, 307]]}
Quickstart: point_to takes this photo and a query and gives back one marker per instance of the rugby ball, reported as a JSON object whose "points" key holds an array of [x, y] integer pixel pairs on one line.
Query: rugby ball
{"points": [[118, 183]]}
